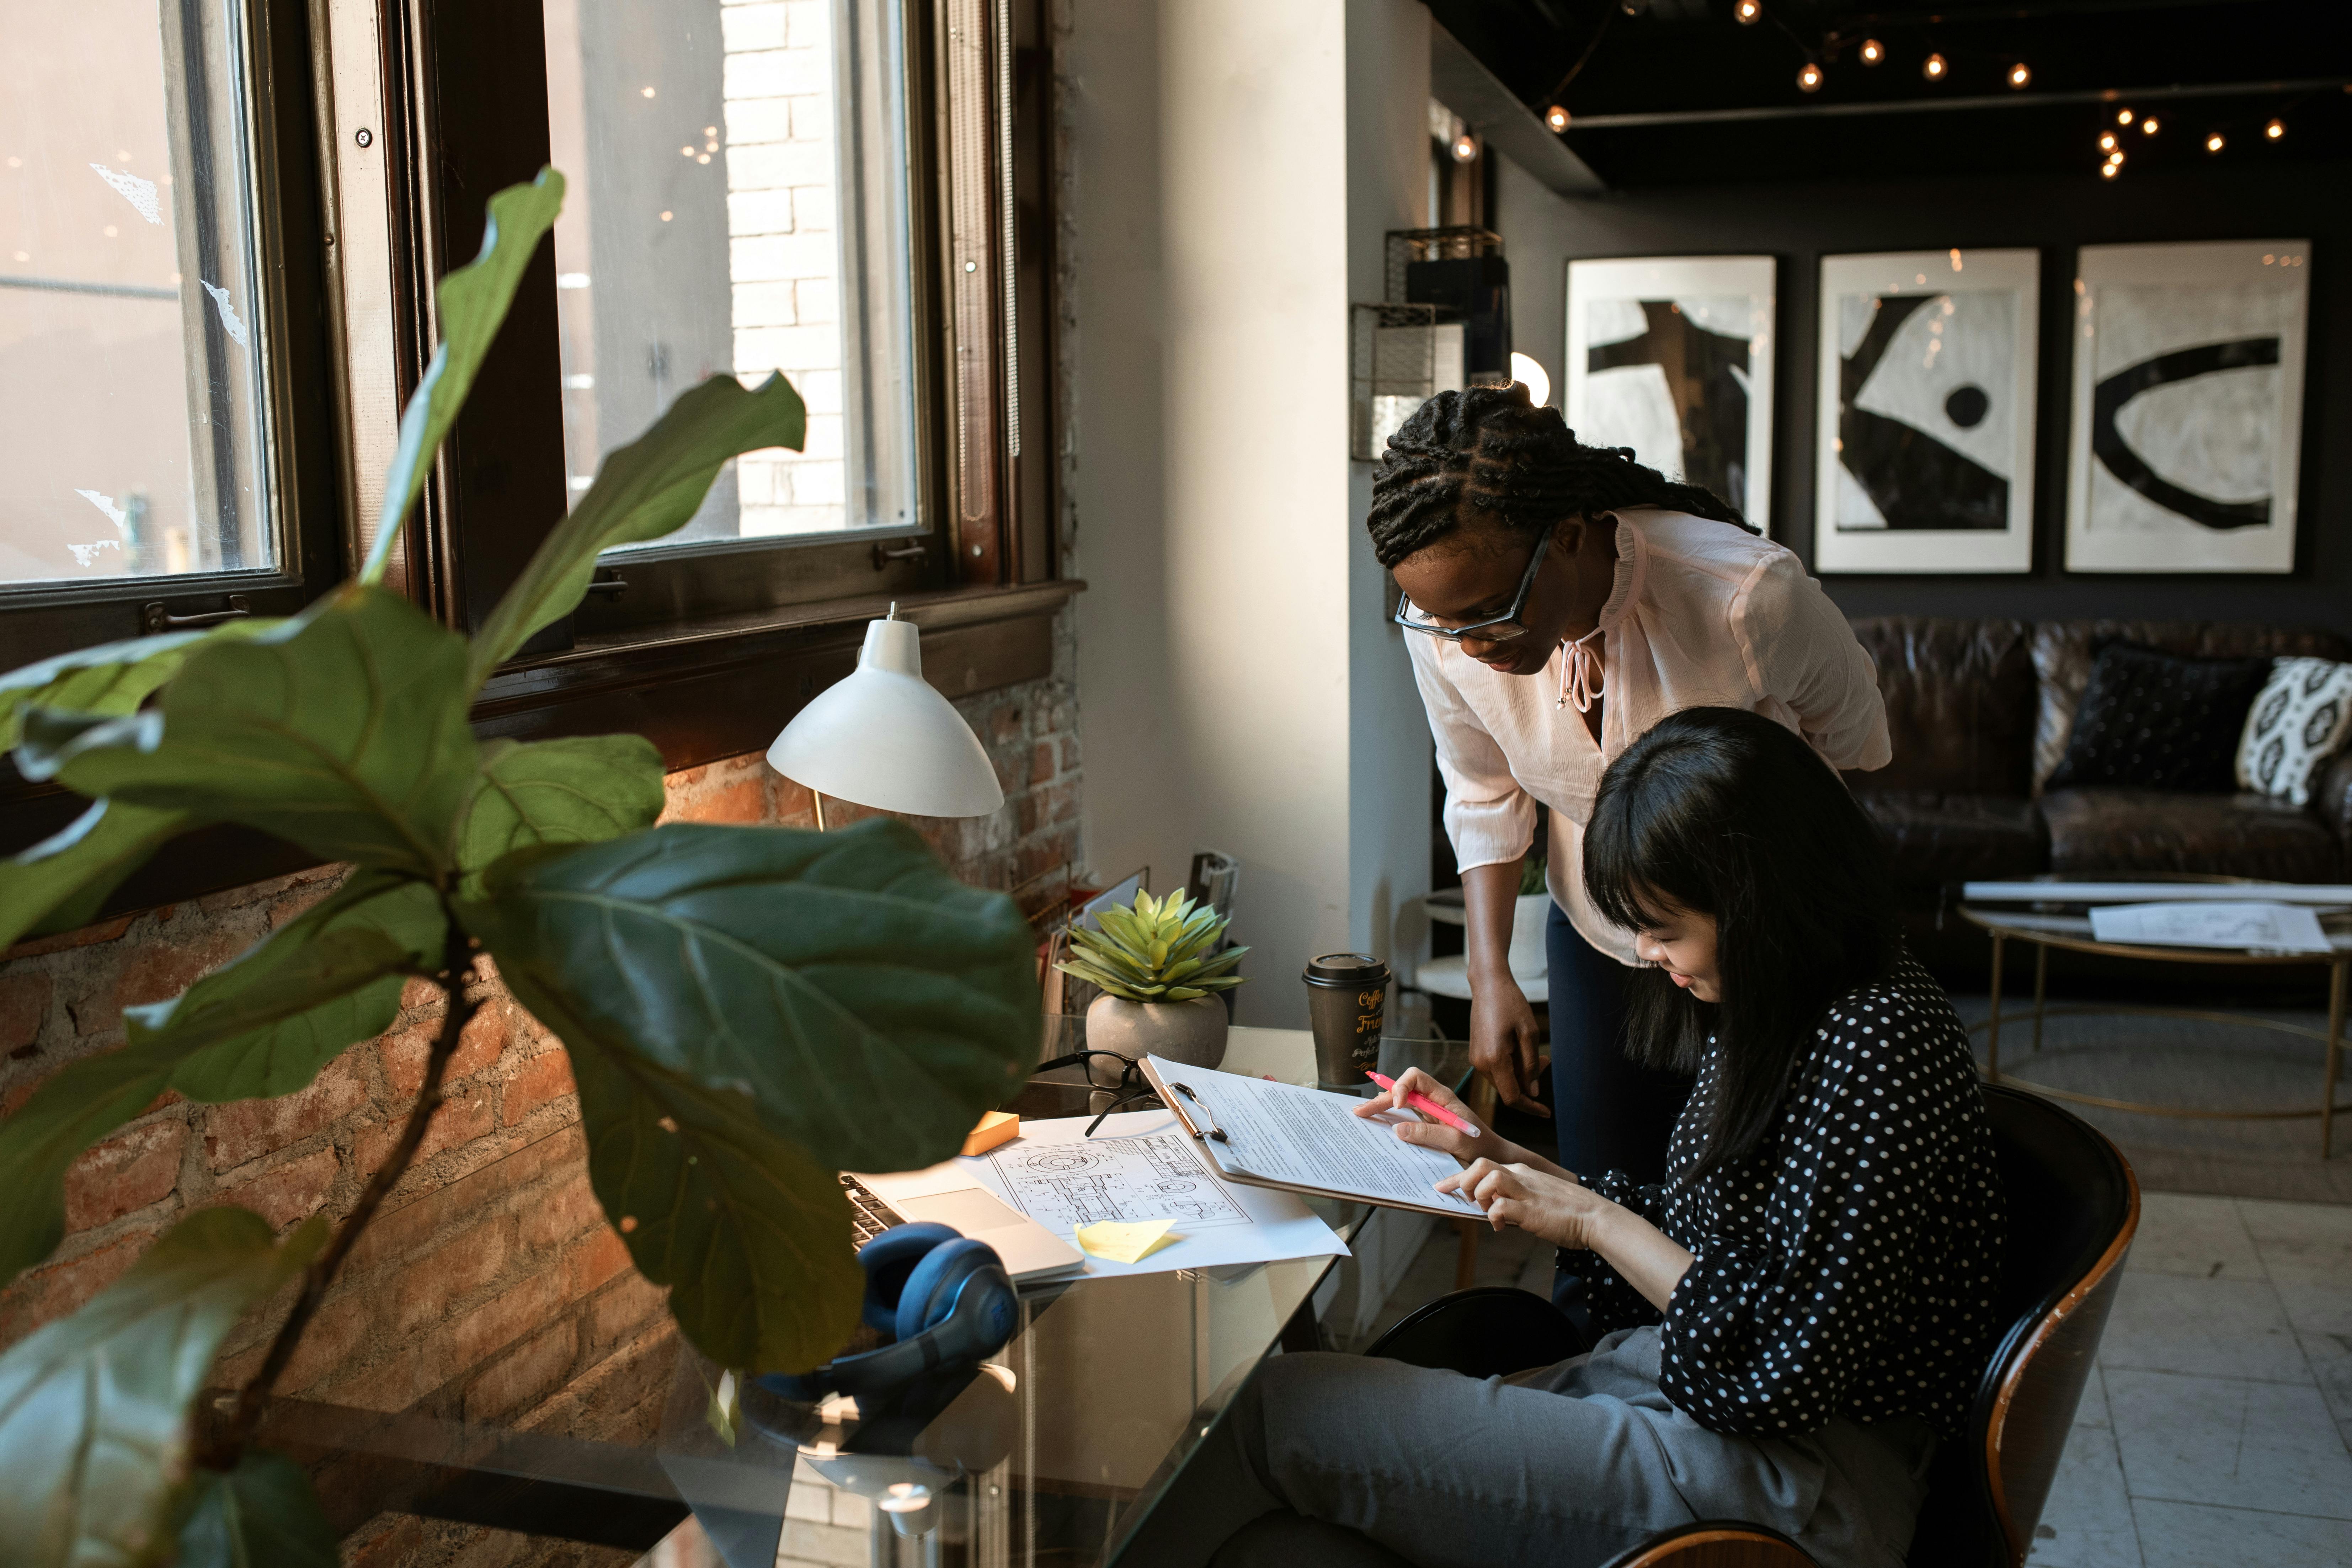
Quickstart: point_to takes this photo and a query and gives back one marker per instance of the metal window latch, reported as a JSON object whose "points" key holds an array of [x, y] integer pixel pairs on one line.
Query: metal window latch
{"points": [[157, 617], [911, 553]]}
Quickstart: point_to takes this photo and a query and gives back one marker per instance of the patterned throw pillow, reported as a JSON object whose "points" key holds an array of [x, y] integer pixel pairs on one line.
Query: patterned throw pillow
{"points": [[2302, 718], [2151, 720]]}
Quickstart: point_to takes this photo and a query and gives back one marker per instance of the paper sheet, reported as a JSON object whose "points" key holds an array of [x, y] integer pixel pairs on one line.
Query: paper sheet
{"points": [[1141, 1167], [2259, 927], [1314, 1139]]}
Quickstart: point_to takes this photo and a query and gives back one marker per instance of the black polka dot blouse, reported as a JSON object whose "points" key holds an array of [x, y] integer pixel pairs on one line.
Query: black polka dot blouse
{"points": [[1848, 1267]]}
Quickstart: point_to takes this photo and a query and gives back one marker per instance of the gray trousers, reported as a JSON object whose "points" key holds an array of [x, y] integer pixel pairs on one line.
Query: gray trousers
{"points": [[1564, 1465]]}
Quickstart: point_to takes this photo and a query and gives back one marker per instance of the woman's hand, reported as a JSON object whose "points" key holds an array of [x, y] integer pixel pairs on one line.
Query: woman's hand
{"points": [[1505, 1043], [1563, 1212], [1488, 1144]]}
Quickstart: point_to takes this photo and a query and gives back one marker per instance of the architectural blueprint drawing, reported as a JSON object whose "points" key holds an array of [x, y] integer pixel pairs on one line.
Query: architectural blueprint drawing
{"points": [[1156, 1176]]}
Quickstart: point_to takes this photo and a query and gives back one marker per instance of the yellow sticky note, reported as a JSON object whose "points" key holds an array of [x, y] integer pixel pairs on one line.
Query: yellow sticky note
{"points": [[1126, 1242]]}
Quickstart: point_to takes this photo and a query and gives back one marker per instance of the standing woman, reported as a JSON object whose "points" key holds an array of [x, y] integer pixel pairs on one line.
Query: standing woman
{"points": [[1562, 599]]}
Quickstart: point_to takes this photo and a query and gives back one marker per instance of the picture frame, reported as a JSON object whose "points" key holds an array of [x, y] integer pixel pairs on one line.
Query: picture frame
{"points": [[1923, 447], [1671, 356], [2184, 442]]}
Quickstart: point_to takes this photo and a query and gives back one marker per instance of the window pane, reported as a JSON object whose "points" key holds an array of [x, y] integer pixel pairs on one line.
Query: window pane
{"points": [[130, 333], [738, 203]]}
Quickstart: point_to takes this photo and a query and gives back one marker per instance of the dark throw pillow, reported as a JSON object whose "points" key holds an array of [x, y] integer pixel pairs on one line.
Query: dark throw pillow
{"points": [[2157, 720]]}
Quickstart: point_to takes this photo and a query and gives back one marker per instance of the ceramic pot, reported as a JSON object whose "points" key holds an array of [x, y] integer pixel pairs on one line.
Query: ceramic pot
{"points": [[1190, 1032]]}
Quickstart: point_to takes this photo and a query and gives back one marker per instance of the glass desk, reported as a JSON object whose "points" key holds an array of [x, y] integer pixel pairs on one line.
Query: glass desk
{"points": [[1054, 1453]]}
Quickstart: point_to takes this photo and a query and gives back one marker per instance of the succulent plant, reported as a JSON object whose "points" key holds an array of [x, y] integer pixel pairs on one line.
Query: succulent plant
{"points": [[1157, 952]]}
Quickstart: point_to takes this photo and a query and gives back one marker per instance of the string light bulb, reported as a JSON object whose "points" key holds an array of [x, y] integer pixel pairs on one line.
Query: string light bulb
{"points": [[1934, 68], [1556, 117], [2147, 126], [2275, 129], [2213, 143], [2115, 159], [2107, 171], [1749, 12], [1465, 148], [2123, 117], [2107, 141], [1873, 51], [2019, 74], [1809, 78]]}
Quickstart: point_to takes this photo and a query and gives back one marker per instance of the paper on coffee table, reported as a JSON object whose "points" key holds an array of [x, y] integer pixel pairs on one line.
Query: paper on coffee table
{"points": [[2254, 927]]}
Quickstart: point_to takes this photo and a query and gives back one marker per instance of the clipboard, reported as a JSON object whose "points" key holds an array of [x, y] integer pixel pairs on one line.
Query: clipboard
{"points": [[1198, 1120]]}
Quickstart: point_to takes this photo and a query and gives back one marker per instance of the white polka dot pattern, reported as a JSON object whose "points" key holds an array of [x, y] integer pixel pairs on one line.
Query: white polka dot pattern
{"points": [[1848, 1267]]}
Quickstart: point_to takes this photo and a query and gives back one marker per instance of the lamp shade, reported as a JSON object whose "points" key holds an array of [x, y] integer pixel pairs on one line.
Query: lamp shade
{"points": [[882, 737]]}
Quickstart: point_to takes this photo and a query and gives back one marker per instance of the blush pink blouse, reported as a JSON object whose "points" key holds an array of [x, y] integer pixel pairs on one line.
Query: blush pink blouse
{"points": [[1702, 614]]}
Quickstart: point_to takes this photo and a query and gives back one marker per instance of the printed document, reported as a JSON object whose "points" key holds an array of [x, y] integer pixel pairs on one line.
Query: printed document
{"points": [[2257, 927], [1139, 1167], [1310, 1139]]}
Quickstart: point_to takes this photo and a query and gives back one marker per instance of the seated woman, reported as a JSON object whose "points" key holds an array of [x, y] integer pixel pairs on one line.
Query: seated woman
{"points": [[1794, 1316]]}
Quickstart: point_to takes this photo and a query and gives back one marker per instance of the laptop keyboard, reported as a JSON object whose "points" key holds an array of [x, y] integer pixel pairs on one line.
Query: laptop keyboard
{"points": [[870, 1216]]}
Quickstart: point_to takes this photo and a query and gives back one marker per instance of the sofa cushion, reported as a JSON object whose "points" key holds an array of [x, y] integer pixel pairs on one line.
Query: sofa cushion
{"points": [[1932, 838], [2064, 651], [2157, 720], [2099, 830], [1960, 703]]}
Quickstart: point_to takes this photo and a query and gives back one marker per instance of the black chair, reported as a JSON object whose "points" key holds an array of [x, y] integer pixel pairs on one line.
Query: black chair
{"points": [[2072, 1206]]}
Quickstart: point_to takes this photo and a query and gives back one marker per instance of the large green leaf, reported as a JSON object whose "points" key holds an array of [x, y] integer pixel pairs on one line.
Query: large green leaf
{"points": [[343, 730], [263, 1514], [261, 1026], [870, 1005], [471, 302], [111, 679], [751, 1235], [62, 881], [644, 490], [94, 1407], [580, 791]]}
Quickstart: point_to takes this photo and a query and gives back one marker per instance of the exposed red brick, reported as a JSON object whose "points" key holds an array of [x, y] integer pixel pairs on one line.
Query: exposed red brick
{"points": [[404, 1052], [291, 1191], [62, 1288], [524, 1375], [156, 972], [388, 1541], [1041, 763], [1069, 753], [127, 1171], [417, 992], [595, 1260], [620, 1314], [1004, 724], [423, 1291], [744, 799], [292, 905], [248, 1129], [560, 1215], [89, 935], [543, 1078], [787, 800], [503, 1318], [23, 1004], [332, 1341]]}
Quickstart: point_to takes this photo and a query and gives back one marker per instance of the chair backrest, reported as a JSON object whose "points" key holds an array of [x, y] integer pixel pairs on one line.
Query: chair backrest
{"points": [[2074, 1205], [1715, 1543]]}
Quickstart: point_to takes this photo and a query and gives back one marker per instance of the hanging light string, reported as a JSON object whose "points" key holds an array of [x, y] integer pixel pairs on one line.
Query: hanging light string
{"points": [[1608, 15]]}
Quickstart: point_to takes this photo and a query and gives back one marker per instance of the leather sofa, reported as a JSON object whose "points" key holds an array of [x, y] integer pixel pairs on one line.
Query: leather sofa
{"points": [[1980, 713]]}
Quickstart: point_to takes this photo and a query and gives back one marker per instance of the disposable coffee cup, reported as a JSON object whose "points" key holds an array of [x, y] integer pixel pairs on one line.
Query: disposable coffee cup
{"points": [[1347, 996]]}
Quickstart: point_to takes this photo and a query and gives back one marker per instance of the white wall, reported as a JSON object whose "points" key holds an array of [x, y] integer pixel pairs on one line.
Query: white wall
{"points": [[1535, 224], [1215, 228]]}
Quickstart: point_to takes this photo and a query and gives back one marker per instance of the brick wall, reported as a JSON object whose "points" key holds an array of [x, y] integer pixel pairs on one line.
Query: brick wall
{"points": [[490, 1288]]}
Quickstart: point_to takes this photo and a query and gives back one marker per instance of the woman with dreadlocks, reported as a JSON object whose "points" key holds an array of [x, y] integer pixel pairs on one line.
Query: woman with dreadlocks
{"points": [[1559, 600]]}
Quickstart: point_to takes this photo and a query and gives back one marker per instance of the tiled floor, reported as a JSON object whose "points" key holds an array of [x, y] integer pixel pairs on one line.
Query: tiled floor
{"points": [[2215, 1429]]}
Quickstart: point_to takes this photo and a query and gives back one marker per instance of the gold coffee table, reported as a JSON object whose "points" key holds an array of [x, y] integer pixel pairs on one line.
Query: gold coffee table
{"points": [[2073, 931]]}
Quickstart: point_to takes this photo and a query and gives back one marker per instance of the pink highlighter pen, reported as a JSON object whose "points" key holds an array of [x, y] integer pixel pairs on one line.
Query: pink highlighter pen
{"points": [[1427, 1106]]}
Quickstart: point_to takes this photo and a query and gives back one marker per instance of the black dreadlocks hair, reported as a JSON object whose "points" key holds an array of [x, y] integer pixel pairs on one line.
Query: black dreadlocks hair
{"points": [[1490, 450]]}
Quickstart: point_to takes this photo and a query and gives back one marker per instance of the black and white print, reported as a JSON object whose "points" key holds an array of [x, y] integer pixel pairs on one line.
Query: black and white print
{"points": [[2300, 720], [2188, 405], [1926, 412], [1671, 356]]}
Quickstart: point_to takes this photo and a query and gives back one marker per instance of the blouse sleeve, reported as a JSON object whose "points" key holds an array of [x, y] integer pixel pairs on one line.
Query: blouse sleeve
{"points": [[1765, 1337], [1613, 1303], [1488, 817], [1800, 652]]}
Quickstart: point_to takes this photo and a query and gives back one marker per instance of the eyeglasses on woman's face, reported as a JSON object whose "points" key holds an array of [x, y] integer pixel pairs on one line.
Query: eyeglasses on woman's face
{"points": [[1510, 624]]}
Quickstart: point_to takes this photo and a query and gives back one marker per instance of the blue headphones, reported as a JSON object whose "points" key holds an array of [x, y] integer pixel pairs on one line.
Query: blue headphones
{"points": [[942, 1300]]}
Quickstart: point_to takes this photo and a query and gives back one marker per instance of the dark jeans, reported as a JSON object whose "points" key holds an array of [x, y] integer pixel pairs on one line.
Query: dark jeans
{"points": [[1611, 1114]]}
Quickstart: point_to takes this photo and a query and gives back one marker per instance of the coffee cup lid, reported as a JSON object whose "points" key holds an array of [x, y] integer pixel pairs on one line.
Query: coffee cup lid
{"points": [[1345, 968]]}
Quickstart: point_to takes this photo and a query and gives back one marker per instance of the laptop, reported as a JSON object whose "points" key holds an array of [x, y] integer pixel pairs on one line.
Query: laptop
{"points": [[946, 1195]]}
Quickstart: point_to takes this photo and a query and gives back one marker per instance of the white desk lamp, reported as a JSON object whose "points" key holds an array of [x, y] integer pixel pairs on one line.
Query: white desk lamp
{"points": [[882, 737]]}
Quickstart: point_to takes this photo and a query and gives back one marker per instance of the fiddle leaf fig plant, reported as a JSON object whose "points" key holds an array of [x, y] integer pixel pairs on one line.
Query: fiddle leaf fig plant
{"points": [[722, 993]]}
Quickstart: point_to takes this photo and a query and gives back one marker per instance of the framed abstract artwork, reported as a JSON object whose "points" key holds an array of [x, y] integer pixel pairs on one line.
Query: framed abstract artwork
{"points": [[2183, 451], [1924, 457], [1673, 356]]}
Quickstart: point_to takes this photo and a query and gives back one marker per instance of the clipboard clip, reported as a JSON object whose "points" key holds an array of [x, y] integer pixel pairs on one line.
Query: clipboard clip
{"points": [[1197, 1119]]}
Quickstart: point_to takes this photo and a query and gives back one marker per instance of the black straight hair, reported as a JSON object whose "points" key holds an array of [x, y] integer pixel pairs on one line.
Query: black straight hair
{"points": [[1721, 812], [1489, 452]]}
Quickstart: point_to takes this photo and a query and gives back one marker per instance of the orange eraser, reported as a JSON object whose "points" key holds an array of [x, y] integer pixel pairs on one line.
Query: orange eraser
{"points": [[997, 1127]]}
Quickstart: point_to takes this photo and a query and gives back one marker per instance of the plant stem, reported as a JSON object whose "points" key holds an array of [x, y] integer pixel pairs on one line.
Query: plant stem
{"points": [[456, 976]]}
